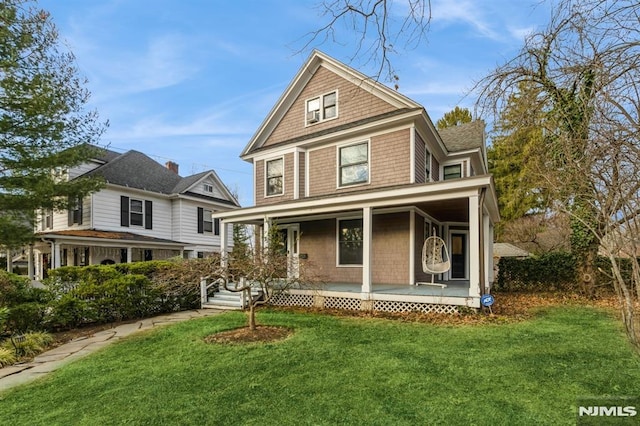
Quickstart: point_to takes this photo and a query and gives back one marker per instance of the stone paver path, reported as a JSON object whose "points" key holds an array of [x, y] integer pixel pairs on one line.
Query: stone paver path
{"points": [[51, 360]]}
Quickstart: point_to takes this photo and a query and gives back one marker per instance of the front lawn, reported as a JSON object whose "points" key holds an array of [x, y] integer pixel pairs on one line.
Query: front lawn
{"points": [[340, 370]]}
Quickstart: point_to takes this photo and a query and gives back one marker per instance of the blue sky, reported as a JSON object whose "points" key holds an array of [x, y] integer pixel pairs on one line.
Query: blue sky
{"points": [[191, 80]]}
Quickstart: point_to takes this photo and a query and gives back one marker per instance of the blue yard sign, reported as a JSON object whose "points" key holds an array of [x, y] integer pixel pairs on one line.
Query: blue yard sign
{"points": [[487, 300]]}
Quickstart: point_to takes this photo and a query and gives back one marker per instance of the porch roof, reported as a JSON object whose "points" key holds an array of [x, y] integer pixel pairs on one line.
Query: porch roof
{"points": [[98, 236], [403, 195]]}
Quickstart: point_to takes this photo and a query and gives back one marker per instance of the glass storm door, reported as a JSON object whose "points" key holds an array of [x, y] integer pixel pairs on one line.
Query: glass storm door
{"points": [[458, 256]]}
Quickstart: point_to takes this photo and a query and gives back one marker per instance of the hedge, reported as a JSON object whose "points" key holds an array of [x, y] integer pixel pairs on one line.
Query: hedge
{"points": [[554, 271]]}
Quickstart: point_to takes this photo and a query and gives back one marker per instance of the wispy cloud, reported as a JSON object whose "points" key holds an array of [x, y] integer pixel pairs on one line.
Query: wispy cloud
{"points": [[465, 11]]}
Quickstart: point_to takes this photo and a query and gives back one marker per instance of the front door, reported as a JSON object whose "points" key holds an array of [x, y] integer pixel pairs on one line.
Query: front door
{"points": [[290, 237], [458, 256]]}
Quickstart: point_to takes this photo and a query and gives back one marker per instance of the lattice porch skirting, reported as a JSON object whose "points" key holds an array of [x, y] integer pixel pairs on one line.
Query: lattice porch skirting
{"points": [[352, 304]]}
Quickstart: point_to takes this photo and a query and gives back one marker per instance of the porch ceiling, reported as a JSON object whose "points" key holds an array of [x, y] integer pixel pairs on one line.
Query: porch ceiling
{"points": [[456, 210]]}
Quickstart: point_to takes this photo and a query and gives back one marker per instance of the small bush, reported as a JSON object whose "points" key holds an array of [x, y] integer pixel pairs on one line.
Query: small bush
{"points": [[7, 356], [68, 312], [551, 271], [32, 344], [27, 316]]}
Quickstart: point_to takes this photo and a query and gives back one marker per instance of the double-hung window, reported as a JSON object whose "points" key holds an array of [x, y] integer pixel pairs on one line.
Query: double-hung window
{"points": [[452, 171], [354, 164], [207, 221], [350, 242], [208, 188], [275, 177], [136, 212], [322, 108]]}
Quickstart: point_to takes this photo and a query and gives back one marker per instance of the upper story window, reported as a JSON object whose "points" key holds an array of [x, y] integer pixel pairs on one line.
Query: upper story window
{"points": [[275, 177], [207, 221], [427, 164], [206, 224], [452, 171], [75, 211], [208, 188], [47, 220], [134, 212], [137, 212], [322, 108], [354, 164]]}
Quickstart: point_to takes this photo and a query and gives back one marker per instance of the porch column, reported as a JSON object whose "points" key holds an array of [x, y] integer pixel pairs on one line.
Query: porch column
{"points": [[488, 250], [223, 244], [9, 261], [57, 255], [265, 232], [474, 247], [367, 219], [30, 263], [412, 247], [129, 255]]}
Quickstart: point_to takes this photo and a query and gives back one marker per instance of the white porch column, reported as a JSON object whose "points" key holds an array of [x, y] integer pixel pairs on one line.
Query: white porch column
{"points": [[412, 247], [30, 263], [265, 233], [367, 234], [9, 261], [488, 250], [223, 244], [129, 255], [57, 256], [474, 247]]}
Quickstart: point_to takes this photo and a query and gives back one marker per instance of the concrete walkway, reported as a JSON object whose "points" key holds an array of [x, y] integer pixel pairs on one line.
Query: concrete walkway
{"points": [[51, 360]]}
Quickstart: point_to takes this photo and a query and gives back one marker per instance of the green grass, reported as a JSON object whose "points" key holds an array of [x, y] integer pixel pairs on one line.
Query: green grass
{"points": [[337, 370]]}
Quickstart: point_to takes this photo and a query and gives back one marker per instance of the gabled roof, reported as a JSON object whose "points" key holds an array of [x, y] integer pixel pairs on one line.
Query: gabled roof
{"points": [[463, 137], [133, 169], [316, 60], [508, 250]]}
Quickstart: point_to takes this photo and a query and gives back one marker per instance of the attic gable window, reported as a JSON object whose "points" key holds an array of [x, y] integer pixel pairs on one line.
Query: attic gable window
{"points": [[275, 177], [322, 108], [208, 188]]}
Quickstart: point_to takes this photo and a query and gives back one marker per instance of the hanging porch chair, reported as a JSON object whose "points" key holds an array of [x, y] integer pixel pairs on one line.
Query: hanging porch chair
{"points": [[435, 259]]}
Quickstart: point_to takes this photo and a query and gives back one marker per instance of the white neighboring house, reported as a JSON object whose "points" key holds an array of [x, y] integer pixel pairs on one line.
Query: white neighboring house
{"points": [[146, 211]]}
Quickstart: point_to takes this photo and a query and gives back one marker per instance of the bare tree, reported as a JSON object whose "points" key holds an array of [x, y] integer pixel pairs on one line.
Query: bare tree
{"points": [[377, 27], [586, 65]]}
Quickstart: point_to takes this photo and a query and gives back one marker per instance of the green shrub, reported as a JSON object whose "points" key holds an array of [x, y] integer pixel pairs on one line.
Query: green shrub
{"points": [[551, 272], [68, 312], [14, 289], [28, 316], [7, 356], [31, 344]]}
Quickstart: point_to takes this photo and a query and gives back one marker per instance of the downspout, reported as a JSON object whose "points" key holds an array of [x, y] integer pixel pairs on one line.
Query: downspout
{"points": [[483, 284]]}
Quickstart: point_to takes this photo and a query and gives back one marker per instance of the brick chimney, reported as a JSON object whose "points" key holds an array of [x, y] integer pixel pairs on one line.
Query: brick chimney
{"points": [[172, 166]]}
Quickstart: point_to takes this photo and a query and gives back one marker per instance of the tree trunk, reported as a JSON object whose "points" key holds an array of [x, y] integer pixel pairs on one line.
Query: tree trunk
{"points": [[587, 273], [252, 315], [627, 305]]}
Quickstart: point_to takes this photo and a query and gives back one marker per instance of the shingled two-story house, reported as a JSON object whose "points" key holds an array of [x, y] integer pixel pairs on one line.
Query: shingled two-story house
{"points": [[146, 211], [356, 176]]}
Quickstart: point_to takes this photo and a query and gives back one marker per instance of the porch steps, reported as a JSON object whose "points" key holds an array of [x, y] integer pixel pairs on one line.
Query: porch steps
{"points": [[225, 299]]}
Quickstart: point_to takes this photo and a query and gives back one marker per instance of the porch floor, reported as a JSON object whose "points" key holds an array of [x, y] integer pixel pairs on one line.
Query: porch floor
{"points": [[453, 289]]}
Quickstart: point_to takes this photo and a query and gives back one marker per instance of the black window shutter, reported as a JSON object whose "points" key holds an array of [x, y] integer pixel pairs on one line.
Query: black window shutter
{"points": [[148, 214], [200, 220], [124, 211], [216, 226], [70, 216], [80, 210]]}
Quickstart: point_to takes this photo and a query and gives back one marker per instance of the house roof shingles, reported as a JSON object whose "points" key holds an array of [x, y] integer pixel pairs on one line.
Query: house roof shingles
{"points": [[464, 136]]}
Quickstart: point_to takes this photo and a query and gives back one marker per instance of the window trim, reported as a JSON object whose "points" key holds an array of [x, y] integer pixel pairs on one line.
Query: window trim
{"points": [[346, 265], [266, 177], [207, 188], [321, 117], [339, 184]]}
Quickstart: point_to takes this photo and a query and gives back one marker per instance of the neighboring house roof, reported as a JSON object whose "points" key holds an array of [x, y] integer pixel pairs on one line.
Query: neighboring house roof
{"points": [[508, 250], [134, 169], [463, 137], [106, 235], [105, 155]]}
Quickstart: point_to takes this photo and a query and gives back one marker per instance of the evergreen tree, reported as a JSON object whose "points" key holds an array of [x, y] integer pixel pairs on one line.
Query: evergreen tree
{"points": [[44, 128], [455, 117]]}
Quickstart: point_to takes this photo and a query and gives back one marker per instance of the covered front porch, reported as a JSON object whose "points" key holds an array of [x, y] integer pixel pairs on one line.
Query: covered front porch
{"points": [[367, 247]]}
